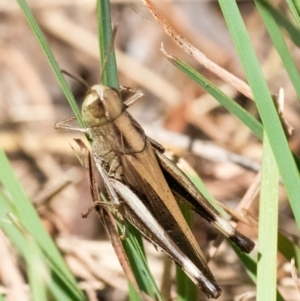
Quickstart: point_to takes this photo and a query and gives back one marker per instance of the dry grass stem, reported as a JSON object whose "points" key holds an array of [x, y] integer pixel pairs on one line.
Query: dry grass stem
{"points": [[191, 50]]}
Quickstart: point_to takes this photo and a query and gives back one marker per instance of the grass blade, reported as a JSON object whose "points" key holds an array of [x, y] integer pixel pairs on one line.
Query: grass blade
{"points": [[133, 246], [222, 98], [36, 271], [289, 249], [251, 267], [295, 10], [268, 227], [265, 105], [280, 46], [186, 289], [108, 64], [15, 202], [283, 21], [50, 57]]}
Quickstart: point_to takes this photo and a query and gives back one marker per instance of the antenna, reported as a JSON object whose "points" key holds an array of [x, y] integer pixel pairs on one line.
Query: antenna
{"points": [[75, 77], [111, 45]]}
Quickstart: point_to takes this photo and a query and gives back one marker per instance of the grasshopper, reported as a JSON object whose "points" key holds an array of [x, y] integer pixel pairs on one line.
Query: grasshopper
{"points": [[146, 186]]}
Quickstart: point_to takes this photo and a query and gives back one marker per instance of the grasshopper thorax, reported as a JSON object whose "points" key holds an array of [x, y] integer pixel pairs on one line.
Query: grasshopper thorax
{"points": [[101, 106]]}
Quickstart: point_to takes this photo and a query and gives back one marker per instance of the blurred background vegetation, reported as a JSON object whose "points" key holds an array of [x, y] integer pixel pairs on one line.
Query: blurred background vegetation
{"points": [[222, 150]]}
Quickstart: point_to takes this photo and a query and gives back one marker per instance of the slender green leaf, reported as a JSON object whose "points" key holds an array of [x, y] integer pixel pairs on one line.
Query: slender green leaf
{"points": [[283, 21], [16, 202], [221, 97], [108, 65], [265, 105], [50, 57], [58, 289], [186, 289], [197, 181], [251, 266], [289, 249], [295, 9], [268, 227], [280, 46], [38, 274], [133, 295], [133, 246]]}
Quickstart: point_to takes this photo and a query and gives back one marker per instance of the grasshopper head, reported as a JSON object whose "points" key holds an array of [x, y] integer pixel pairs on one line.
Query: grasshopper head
{"points": [[101, 105]]}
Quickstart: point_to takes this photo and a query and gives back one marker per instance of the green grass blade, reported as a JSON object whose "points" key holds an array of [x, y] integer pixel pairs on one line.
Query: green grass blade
{"points": [[133, 246], [37, 272], [268, 227], [265, 105], [197, 181], [251, 267], [280, 46], [16, 202], [132, 293], [186, 289], [283, 21], [107, 53], [289, 249], [50, 57], [222, 98], [11, 226], [59, 291], [295, 10]]}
